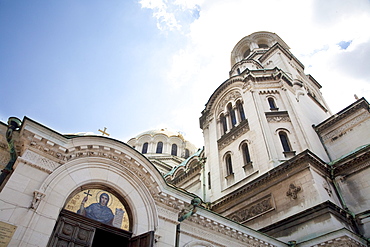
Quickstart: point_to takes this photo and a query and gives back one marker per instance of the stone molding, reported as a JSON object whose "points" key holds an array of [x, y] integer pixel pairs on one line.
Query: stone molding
{"points": [[342, 130], [233, 134], [232, 96], [343, 114], [53, 155], [39, 162], [277, 117], [254, 210], [203, 223], [343, 241]]}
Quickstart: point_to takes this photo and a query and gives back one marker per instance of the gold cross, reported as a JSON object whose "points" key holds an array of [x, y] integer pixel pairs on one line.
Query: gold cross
{"points": [[103, 131]]}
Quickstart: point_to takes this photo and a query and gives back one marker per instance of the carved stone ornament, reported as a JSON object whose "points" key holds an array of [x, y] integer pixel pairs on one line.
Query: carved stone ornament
{"points": [[37, 197], [293, 191], [253, 210]]}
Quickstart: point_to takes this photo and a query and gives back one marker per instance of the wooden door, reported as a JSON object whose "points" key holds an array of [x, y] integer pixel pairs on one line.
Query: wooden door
{"points": [[143, 240]]}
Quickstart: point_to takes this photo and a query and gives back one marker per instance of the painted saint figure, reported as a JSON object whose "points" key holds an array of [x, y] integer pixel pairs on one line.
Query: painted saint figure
{"points": [[97, 211]]}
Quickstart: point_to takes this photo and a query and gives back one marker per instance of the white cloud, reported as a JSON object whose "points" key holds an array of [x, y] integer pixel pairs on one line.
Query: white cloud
{"points": [[312, 29]]}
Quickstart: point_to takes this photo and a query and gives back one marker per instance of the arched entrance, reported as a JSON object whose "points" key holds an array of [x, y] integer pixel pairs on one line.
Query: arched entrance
{"points": [[95, 215]]}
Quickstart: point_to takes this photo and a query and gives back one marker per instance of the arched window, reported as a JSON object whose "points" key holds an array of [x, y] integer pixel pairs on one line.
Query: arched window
{"points": [[223, 123], [246, 53], [272, 103], [238, 70], [174, 150], [145, 148], [240, 110], [246, 155], [159, 148], [187, 153], [229, 165], [263, 45], [232, 114], [285, 141]]}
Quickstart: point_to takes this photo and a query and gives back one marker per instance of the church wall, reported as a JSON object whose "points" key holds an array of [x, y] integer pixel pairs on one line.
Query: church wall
{"points": [[349, 133], [357, 182]]}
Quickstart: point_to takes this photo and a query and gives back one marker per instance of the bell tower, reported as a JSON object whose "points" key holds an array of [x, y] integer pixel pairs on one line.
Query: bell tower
{"points": [[261, 116]]}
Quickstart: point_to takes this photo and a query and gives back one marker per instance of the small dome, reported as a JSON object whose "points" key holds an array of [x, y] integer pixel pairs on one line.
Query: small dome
{"points": [[252, 42], [163, 131]]}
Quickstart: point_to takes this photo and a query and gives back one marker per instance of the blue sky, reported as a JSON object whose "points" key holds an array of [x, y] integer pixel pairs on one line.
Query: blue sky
{"points": [[131, 66]]}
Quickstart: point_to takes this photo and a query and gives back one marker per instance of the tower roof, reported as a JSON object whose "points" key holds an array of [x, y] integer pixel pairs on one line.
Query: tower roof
{"points": [[254, 41]]}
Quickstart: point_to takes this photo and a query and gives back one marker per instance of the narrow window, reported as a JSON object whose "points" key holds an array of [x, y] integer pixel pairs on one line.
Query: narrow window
{"points": [[229, 165], [159, 148], [174, 150], [209, 180], [272, 103], [145, 148], [246, 155], [187, 153], [238, 70], [285, 141], [223, 123], [232, 115], [241, 111]]}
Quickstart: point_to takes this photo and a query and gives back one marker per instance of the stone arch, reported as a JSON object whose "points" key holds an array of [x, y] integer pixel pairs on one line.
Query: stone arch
{"points": [[78, 173]]}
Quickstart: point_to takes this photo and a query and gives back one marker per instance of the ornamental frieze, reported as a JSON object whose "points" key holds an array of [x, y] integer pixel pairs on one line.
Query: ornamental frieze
{"points": [[253, 210], [234, 133], [277, 117]]}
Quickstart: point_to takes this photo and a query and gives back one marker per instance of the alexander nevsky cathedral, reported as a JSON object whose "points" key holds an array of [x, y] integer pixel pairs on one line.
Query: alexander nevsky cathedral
{"points": [[277, 168]]}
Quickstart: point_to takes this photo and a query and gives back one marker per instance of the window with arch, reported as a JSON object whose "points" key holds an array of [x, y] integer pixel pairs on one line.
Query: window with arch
{"points": [[159, 148], [187, 153], [246, 53], [229, 165], [246, 154], [262, 45], [232, 114], [272, 103], [174, 150], [285, 141], [144, 150], [240, 108], [223, 123]]}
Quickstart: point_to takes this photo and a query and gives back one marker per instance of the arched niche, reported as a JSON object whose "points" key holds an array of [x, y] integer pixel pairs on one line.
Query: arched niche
{"points": [[103, 204], [99, 173]]}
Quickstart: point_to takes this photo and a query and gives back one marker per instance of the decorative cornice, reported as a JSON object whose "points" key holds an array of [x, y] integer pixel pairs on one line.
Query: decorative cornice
{"points": [[253, 210], [361, 103], [47, 156], [277, 116], [212, 225]]}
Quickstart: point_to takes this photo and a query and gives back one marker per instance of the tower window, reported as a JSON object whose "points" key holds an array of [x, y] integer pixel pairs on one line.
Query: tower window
{"points": [[174, 150], [232, 114], [229, 165], [223, 123], [263, 46], [246, 53], [209, 180], [272, 103], [159, 148], [187, 153], [285, 141], [145, 148], [241, 110], [246, 155]]}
